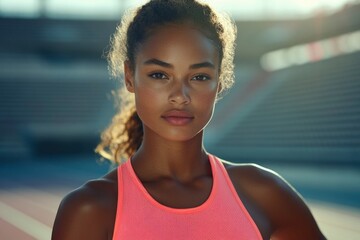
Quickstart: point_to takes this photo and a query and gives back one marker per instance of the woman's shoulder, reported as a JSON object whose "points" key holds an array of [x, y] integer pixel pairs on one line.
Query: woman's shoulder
{"points": [[93, 194], [251, 172], [280, 203], [88, 211], [250, 175]]}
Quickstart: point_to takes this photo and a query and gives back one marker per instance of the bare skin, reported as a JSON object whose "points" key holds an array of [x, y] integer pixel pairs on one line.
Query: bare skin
{"points": [[178, 68]]}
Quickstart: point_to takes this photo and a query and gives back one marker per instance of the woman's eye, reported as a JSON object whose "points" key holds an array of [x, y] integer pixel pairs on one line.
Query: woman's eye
{"points": [[158, 75], [201, 78]]}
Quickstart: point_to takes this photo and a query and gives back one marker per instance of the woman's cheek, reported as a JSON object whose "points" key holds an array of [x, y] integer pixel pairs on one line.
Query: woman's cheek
{"points": [[148, 98]]}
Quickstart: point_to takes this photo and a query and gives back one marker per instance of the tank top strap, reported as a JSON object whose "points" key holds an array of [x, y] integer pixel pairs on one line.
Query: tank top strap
{"points": [[224, 175], [120, 196]]}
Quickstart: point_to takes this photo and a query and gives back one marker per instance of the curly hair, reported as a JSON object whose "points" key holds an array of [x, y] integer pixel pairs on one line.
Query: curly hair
{"points": [[124, 135]]}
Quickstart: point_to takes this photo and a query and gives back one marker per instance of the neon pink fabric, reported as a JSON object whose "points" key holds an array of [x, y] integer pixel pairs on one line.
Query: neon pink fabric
{"points": [[221, 216]]}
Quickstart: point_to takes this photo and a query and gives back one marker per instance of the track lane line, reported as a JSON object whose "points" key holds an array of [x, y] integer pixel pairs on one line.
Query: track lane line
{"points": [[24, 222]]}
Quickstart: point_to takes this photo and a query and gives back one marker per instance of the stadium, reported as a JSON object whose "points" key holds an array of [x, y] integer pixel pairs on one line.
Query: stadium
{"points": [[294, 107]]}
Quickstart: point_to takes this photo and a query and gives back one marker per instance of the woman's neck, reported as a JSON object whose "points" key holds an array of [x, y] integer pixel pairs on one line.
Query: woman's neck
{"points": [[181, 160]]}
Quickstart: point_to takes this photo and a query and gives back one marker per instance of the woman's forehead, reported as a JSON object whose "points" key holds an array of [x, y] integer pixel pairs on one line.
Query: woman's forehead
{"points": [[179, 41]]}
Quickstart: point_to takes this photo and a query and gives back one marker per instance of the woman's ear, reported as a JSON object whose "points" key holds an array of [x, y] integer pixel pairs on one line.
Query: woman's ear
{"points": [[128, 76]]}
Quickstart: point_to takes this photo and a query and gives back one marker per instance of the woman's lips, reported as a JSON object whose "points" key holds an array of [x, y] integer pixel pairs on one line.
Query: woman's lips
{"points": [[177, 117], [179, 121]]}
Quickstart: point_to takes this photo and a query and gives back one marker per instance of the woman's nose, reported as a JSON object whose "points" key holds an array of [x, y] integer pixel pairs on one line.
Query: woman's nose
{"points": [[179, 94]]}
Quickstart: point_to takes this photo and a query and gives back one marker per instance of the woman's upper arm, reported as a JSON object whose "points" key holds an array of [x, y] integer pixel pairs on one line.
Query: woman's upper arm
{"points": [[293, 218], [80, 216], [281, 204]]}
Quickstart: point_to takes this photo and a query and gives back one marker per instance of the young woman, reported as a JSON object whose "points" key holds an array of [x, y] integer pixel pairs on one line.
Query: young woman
{"points": [[176, 58]]}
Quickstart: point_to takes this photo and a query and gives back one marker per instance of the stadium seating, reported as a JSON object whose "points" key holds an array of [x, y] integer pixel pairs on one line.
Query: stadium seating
{"points": [[305, 113], [58, 110]]}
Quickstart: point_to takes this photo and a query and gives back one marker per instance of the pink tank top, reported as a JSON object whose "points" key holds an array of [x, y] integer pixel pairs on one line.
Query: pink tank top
{"points": [[221, 216]]}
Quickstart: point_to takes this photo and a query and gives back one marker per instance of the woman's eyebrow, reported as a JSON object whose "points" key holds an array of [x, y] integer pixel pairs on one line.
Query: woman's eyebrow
{"points": [[168, 65], [158, 62], [202, 65]]}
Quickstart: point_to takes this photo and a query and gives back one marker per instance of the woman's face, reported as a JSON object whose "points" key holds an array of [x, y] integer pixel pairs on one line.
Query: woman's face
{"points": [[175, 81]]}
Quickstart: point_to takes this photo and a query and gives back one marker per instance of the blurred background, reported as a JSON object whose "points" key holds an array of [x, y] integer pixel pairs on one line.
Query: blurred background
{"points": [[295, 106]]}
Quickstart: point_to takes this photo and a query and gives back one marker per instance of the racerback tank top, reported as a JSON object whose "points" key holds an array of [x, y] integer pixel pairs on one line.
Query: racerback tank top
{"points": [[221, 216]]}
